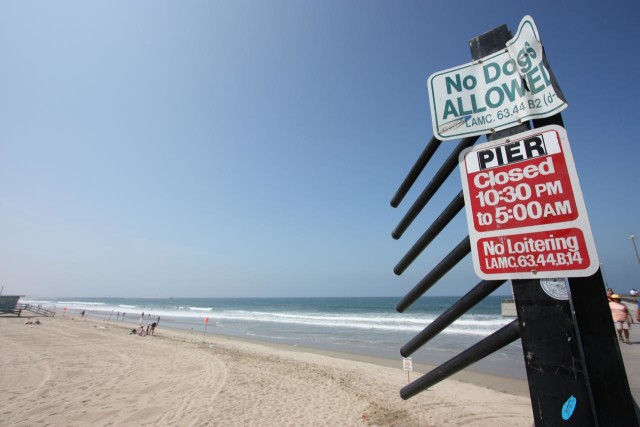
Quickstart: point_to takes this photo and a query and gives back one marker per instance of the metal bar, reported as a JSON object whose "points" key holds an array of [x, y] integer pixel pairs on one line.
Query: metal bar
{"points": [[490, 344], [438, 179], [474, 296], [438, 225], [415, 171], [454, 257]]}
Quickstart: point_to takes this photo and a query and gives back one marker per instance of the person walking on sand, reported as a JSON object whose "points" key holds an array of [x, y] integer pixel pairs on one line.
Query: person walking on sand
{"points": [[153, 327], [609, 293], [622, 318], [82, 315]]}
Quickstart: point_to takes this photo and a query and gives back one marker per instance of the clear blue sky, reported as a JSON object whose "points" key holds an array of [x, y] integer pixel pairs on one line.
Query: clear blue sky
{"points": [[251, 148]]}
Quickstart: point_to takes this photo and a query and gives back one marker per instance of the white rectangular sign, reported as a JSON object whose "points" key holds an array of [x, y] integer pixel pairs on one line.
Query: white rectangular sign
{"points": [[406, 364], [525, 211], [496, 92]]}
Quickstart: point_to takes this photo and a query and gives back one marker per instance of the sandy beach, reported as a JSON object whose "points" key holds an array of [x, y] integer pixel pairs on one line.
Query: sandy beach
{"points": [[87, 373]]}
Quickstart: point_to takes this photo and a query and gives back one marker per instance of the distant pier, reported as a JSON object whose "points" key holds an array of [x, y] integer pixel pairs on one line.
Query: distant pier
{"points": [[508, 305]]}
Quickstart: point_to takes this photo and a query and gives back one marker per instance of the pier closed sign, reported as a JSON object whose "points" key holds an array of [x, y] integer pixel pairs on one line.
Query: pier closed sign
{"points": [[525, 210]]}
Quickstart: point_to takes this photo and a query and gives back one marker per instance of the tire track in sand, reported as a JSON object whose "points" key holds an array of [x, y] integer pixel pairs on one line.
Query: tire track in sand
{"points": [[208, 386]]}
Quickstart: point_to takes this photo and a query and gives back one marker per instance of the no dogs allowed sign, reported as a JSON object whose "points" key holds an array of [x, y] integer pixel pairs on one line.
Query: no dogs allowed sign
{"points": [[496, 92], [525, 210]]}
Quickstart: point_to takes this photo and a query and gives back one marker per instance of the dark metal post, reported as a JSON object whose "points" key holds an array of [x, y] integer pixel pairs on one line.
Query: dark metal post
{"points": [[609, 384], [562, 350], [554, 361]]}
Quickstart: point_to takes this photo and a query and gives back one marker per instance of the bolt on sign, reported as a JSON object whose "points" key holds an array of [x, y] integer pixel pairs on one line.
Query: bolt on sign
{"points": [[525, 211], [496, 92]]}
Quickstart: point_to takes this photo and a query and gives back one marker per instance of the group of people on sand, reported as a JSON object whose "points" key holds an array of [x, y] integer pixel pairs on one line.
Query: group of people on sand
{"points": [[151, 327], [622, 317], [141, 330]]}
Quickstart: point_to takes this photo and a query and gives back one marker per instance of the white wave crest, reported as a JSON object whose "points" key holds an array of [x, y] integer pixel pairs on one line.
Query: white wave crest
{"points": [[200, 308]]}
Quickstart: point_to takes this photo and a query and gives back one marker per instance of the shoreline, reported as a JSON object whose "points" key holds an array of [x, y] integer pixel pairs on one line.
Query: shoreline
{"points": [[362, 326], [77, 372], [490, 380]]}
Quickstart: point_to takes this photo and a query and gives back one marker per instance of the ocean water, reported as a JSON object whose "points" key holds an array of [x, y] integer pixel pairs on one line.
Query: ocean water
{"points": [[367, 326]]}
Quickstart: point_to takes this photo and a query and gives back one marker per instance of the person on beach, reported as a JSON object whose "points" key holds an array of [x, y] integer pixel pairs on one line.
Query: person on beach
{"points": [[141, 331], [153, 327], [82, 314], [148, 327], [609, 293], [621, 317]]}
